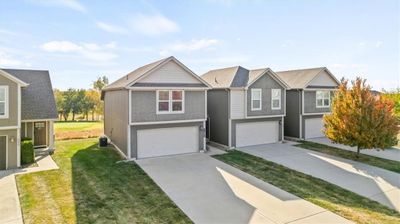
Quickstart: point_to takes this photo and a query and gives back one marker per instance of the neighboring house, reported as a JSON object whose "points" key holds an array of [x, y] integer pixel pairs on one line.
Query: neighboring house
{"points": [[156, 110], [308, 99], [245, 107], [27, 109]]}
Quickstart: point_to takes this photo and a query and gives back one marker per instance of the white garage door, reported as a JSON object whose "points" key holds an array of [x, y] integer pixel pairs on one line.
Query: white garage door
{"points": [[313, 128], [167, 141], [257, 133]]}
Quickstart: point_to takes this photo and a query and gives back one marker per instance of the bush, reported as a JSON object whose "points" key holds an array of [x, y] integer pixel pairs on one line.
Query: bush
{"points": [[27, 151]]}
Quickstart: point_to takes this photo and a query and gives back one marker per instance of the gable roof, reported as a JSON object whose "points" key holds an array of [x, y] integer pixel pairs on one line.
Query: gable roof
{"points": [[300, 78], [13, 78], [237, 77], [139, 73], [37, 97]]}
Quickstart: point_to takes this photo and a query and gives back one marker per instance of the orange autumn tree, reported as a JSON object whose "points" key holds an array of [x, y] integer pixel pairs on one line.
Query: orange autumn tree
{"points": [[360, 119]]}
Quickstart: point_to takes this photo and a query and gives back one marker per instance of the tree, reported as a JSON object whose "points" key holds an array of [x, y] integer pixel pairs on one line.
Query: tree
{"points": [[395, 97], [68, 102], [100, 83], [78, 102], [58, 96], [359, 119], [93, 98]]}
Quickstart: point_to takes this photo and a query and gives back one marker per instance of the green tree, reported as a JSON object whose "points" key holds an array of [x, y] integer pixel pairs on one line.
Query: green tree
{"points": [[78, 103], [68, 102], [395, 97], [96, 105], [100, 83], [58, 96], [360, 119]]}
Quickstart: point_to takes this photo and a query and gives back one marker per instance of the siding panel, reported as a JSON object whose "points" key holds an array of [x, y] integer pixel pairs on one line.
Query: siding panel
{"points": [[310, 103], [116, 117], [218, 111], [237, 104], [292, 119], [170, 73]]}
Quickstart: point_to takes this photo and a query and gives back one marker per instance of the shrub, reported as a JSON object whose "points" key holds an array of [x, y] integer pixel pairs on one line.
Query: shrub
{"points": [[27, 151]]}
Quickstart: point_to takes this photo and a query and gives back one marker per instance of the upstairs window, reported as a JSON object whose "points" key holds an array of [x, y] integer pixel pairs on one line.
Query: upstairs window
{"points": [[276, 96], [323, 98], [170, 101], [255, 99], [3, 101]]}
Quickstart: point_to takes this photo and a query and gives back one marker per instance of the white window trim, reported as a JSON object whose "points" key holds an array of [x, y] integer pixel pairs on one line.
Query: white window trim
{"points": [[323, 99], [252, 106], [170, 102], [272, 99], [6, 104]]}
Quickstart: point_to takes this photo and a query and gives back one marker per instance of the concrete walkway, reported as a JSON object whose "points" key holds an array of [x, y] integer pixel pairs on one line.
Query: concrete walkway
{"points": [[210, 191], [10, 209], [372, 182], [392, 153]]}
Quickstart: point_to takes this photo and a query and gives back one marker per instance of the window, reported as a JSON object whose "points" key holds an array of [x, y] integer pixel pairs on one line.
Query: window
{"points": [[170, 101], [276, 99], [3, 101], [255, 99], [323, 98]]}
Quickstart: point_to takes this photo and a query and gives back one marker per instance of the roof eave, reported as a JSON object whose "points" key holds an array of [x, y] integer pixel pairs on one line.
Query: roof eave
{"points": [[13, 78]]}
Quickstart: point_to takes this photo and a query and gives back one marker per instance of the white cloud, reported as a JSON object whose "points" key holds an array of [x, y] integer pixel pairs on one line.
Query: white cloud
{"points": [[90, 51], [7, 32], [193, 45], [71, 4], [7, 60], [111, 28], [153, 25], [378, 44]]}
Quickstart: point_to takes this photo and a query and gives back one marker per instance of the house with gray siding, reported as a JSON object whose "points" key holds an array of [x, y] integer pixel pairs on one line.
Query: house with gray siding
{"points": [[27, 110], [158, 109], [308, 99], [245, 107]]}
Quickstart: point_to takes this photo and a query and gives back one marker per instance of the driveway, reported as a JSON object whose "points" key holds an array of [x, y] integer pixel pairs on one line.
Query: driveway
{"points": [[391, 153], [372, 182], [210, 191]]}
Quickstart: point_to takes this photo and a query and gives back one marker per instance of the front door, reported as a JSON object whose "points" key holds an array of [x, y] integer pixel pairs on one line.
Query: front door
{"points": [[40, 134], [3, 152]]}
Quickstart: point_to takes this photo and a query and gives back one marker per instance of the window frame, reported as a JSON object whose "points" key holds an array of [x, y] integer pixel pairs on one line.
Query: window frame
{"points": [[6, 102], [272, 99], [323, 99], [170, 101], [252, 100]]}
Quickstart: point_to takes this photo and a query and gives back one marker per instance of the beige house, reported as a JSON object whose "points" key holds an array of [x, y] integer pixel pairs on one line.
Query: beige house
{"points": [[27, 109]]}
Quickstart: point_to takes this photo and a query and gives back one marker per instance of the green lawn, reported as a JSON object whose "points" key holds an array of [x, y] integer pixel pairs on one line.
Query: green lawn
{"points": [[329, 196], [370, 160], [91, 187], [78, 130]]}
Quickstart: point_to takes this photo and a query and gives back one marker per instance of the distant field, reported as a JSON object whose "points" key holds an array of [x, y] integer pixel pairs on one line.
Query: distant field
{"points": [[77, 130]]}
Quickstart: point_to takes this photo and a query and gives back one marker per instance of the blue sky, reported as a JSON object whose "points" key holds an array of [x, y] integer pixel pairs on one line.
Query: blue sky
{"points": [[79, 40]]}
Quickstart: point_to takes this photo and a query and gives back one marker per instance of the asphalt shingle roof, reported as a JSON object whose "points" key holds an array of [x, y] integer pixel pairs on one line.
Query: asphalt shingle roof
{"points": [[37, 98], [298, 79]]}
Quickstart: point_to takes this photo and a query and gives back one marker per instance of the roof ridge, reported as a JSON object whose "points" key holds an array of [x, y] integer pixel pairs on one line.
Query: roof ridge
{"points": [[302, 69], [22, 69]]}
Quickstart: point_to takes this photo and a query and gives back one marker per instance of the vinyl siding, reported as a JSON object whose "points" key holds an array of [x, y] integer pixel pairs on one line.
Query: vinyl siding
{"points": [[323, 79], [12, 147], [116, 118], [144, 107], [12, 119], [237, 104], [266, 83], [292, 118], [218, 111], [170, 73]]}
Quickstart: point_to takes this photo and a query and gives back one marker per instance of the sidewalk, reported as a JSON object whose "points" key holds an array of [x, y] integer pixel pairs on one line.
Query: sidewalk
{"points": [[10, 209]]}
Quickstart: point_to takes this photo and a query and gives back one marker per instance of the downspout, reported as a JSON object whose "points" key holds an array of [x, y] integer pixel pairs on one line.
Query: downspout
{"points": [[300, 114]]}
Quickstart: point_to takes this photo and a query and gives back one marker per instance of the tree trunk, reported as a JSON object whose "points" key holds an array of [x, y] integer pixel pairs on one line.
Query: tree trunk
{"points": [[358, 152], [92, 115], [65, 116], [73, 116]]}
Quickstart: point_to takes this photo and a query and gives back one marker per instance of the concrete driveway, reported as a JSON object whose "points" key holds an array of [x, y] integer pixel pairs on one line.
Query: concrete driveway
{"points": [[391, 153], [372, 182], [210, 191]]}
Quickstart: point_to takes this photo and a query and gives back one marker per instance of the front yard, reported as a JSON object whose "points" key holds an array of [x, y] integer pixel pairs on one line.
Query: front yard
{"points": [[329, 196], [91, 187]]}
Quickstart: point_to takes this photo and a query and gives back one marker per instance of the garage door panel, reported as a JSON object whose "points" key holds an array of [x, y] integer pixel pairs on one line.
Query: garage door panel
{"points": [[314, 128], [257, 133], [167, 141]]}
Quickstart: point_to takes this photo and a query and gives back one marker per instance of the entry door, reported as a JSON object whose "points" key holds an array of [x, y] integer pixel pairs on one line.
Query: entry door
{"points": [[40, 134], [3, 152]]}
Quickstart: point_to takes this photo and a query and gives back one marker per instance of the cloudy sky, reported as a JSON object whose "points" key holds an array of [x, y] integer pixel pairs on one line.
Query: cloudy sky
{"points": [[79, 40]]}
